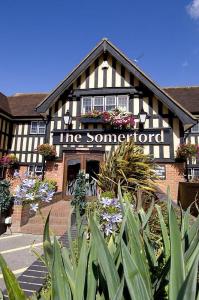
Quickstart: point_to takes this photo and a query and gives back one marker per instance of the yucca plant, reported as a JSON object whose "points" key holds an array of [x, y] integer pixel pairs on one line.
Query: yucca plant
{"points": [[129, 266], [128, 165]]}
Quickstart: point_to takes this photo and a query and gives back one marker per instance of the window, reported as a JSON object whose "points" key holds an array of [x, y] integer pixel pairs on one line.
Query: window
{"points": [[110, 103], [195, 128], [107, 103], [38, 127], [193, 173], [98, 103], [122, 102], [87, 104], [35, 170]]}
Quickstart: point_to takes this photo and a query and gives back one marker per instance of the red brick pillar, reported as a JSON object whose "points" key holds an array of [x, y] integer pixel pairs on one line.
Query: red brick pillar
{"points": [[174, 175], [16, 218]]}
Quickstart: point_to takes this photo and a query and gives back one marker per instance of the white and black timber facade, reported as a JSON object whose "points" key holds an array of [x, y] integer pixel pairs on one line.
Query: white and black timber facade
{"points": [[28, 120]]}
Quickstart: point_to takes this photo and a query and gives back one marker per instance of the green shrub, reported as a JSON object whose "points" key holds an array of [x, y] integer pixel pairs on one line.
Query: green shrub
{"points": [[79, 200], [129, 166], [107, 195], [129, 266], [5, 196]]}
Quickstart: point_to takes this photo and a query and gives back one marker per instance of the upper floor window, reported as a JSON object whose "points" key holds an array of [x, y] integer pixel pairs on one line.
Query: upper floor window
{"points": [[195, 128], [107, 103], [38, 127]]}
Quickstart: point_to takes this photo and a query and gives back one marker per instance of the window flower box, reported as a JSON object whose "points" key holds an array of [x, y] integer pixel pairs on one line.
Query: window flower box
{"points": [[116, 119], [87, 120]]}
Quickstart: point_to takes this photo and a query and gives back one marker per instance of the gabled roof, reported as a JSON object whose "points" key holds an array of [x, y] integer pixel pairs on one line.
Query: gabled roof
{"points": [[23, 105], [107, 46], [187, 96]]}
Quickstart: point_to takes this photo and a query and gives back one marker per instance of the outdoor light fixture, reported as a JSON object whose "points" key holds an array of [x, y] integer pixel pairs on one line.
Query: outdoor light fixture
{"points": [[67, 118], [142, 116], [105, 64]]}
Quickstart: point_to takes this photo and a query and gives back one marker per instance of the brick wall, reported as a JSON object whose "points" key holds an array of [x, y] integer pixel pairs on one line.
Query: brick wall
{"points": [[174, 175], [55, 170]]}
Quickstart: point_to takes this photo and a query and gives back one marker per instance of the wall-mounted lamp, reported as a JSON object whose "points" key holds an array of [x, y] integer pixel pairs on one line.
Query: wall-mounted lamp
{"points": [[142, 116], [67, 118], [105, 64]]}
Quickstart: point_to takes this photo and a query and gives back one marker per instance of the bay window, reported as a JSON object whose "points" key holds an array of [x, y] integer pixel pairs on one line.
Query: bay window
{"points": [[105, 103]]}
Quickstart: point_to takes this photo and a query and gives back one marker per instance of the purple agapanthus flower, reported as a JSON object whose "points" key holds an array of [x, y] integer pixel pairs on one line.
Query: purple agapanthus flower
{"points": [[29, 183], [34, 206], [30, 196], [16, 174], [117, 218], [106, 201], [106, 216]]}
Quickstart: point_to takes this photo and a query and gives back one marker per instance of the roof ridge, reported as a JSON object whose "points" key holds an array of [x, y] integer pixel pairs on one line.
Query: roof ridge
{"points": [[33, 93], [181, 87]]}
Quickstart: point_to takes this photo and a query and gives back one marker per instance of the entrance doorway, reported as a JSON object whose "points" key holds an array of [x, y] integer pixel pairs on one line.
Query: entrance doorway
{"points": [[87, 162]]}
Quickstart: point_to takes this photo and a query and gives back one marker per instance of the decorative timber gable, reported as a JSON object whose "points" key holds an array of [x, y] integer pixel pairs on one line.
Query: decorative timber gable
{"points": [[122, 73]]}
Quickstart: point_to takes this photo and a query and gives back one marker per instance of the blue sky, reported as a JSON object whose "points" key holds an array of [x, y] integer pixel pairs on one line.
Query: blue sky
{"points": [[42, 40]]}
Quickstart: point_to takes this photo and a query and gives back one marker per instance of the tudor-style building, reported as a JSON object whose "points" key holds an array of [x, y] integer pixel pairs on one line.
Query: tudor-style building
{"points": [[104, 80]]}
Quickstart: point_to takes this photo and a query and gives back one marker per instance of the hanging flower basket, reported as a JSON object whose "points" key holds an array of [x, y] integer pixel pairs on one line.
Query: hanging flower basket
{"points": [[186, 151], [9, 161], [47, 150]]}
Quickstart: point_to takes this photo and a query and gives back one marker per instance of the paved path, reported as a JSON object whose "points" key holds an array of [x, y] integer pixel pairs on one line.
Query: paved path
{"points": [[17, 251]]}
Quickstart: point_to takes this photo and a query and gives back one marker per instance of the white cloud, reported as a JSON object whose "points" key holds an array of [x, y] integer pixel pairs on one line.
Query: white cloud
{"points": [[193, 9]]}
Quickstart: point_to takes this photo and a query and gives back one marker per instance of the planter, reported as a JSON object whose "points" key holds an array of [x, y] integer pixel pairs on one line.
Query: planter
{"points": [[91, 120], [187, 194]]}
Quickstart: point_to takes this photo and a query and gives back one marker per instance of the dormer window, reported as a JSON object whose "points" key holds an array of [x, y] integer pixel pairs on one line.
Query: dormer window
{"points": [[107, 103]]}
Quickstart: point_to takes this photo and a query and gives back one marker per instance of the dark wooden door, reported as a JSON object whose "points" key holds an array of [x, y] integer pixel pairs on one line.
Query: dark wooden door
{"points": [[73, 163]]}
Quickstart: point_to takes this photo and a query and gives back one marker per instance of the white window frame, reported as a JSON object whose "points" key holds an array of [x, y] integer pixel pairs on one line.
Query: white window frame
{"points": [[35, 170], [38, 127], [191, 173], [82, 104], [127, 100], [104, 102], [93, 102]]}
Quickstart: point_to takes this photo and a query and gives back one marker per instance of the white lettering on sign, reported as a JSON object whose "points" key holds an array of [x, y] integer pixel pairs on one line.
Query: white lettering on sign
{"points": [[142, 138], [159, 138], [112, 138], [77, 138], [90, 138]]}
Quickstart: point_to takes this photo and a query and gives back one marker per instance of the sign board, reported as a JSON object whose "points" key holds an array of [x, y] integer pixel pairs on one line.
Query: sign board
{"points": [[154, 137], [160, 171]]}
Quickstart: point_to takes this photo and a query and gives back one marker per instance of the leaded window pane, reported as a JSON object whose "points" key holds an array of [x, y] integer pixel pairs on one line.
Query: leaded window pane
{"points": [[122, 102], [41, 127], [87, 104], [98, 103], [110, 103], [33, 128]]}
